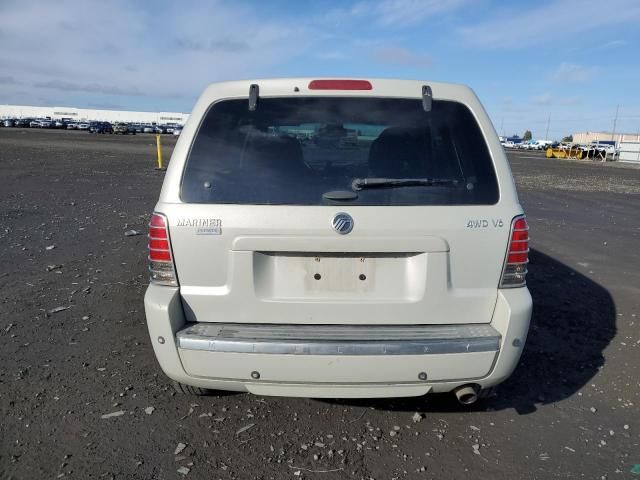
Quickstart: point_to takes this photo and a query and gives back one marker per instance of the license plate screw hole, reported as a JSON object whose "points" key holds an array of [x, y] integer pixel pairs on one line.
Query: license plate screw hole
{"points": [[317, 276], [362, 277]]}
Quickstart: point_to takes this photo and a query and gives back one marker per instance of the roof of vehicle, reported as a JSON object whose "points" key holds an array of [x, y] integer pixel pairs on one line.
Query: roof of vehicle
{"points": [[380, 87]]}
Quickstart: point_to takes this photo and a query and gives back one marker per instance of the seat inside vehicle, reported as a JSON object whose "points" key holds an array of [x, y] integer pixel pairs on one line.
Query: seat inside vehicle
{"points": [[400, 152], [265, 153]]}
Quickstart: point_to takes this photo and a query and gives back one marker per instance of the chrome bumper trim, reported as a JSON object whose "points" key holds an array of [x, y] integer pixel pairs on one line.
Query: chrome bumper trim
{"points": [[338, 339]]}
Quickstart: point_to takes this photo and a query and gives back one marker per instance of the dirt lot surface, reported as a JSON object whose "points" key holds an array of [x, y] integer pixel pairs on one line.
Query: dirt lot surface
{"points": [[74, 346]]}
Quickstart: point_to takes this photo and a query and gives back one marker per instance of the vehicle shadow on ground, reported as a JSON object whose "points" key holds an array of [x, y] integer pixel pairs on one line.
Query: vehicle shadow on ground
{"points": [[573, 321]]}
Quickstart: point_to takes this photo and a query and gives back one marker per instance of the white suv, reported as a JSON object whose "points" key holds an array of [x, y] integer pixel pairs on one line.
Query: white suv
{"points": [[338, 238]]}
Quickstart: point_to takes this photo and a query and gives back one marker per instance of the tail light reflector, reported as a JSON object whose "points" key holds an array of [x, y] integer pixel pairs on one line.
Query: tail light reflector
{"points": [[161, 267], [514, 272]]}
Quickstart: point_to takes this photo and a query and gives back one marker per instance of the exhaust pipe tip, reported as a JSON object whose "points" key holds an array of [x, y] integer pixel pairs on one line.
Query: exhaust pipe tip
{"points": [[467, 394]]}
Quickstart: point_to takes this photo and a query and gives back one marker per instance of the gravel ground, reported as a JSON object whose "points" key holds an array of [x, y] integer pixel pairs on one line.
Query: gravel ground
{"points": [[586, 176], [81, 395]]}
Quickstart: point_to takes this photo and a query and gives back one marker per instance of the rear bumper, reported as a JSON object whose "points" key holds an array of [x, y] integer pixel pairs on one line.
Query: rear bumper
{"points": [[338, 340], [336, 361]]}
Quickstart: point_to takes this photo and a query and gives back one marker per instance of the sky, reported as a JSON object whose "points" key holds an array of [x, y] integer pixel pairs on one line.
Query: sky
{"points": [[565, 64]]}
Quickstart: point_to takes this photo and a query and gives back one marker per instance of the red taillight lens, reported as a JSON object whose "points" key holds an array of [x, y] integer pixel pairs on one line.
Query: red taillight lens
{"points": [[156, 232], [520, 224], [519, 235], [158, 244], [520, 246], [340, 85], [517, 257], [158, 221], [161, 265], [159, 255], [515, 269]]}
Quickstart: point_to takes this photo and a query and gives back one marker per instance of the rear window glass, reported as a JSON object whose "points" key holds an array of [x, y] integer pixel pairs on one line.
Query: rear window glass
{"points": [[318, 151]]}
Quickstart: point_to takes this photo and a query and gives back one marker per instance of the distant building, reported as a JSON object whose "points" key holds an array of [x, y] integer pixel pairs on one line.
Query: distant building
{"points": [[20, 111], [629, 152], [586, 138]]}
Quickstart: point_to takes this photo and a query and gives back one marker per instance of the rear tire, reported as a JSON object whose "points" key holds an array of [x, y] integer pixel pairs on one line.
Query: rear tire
{"points": [[183, 389]]}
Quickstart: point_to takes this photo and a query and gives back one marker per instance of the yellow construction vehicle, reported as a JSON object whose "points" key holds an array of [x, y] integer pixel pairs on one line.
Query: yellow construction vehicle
{"points": [[566, 151]]}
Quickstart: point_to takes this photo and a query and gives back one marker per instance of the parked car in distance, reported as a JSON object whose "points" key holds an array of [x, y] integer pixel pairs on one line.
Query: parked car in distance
{"points": [[72, 125], [606, 147], [177, 131], [21, 123], [543, 144], [46, 124], [149, 129], [8, 122], [335, 269], [100, 127], [123, 129], [59, 124], [83, 125]]}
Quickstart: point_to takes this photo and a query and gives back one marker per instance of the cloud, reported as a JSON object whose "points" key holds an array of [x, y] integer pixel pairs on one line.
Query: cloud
{"points": [[395, 13], [144, 56], [136, 50], [8, 80], [547, 99], [570, 101], [332, 55], [553, 22], [516, 108], [543, 99], [213, 45], [89, 88], [401, 56], [572, 73], [612, 44]]}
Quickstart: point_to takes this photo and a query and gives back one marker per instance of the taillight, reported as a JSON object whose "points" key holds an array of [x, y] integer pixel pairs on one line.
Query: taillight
{"points": [[340, 84], [515, 267], [161, 267]]}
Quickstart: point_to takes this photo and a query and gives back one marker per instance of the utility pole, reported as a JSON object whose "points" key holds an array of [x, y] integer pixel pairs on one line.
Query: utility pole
{"points": [[615, 121], [502, 126], [638, 139], [546, 135]]}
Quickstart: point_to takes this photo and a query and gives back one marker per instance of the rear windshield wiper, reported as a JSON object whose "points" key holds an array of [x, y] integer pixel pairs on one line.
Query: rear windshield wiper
{"points": [[361, 183]]}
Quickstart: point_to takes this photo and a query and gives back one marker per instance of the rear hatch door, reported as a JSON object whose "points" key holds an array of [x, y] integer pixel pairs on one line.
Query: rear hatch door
{"points": [[265, 194]]}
